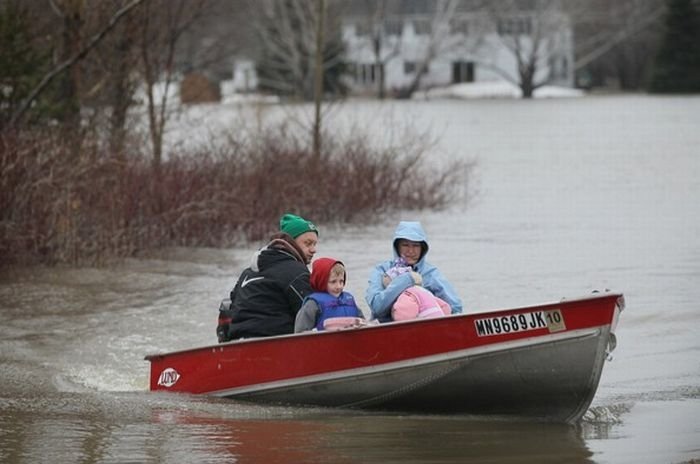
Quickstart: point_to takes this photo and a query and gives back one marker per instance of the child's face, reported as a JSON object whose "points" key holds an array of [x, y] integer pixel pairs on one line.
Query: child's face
{"points": [[336, 284]]}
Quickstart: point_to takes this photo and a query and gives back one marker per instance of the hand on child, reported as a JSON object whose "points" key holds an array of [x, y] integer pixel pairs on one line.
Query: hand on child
{"points": [[386, 280], [417, 278]]}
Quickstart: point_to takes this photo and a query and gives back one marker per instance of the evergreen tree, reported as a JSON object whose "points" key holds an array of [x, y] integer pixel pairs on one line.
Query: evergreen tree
{"points": [[21, 65], [677, 65]]}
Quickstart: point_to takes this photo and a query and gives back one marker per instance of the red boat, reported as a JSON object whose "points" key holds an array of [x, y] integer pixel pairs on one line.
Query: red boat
{"points": [[540, 362]]}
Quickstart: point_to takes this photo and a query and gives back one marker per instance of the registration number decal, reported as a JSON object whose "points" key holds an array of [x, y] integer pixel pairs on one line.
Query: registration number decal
{"points": [[551, 320]]}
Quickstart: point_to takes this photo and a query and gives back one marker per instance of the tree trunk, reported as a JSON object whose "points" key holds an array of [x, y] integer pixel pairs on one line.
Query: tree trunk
{"points": [[382, 82], [120, 94], [69, 80], [70, 62], [318, 80]]}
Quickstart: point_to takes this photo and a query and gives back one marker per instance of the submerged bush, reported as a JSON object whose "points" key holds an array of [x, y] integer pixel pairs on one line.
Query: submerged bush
{"points": [[62, 205]]}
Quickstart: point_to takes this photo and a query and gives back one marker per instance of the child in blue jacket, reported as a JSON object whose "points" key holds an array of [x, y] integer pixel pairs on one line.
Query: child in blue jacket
{"points": [[329, 303]]}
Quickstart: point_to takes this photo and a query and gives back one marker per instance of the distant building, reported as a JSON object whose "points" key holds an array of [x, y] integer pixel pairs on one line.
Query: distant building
{"points": [[245, 78], [471, 46]]}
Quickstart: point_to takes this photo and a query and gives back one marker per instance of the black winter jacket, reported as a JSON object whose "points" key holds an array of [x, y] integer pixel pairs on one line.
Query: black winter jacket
{"points": [[270, 292]]}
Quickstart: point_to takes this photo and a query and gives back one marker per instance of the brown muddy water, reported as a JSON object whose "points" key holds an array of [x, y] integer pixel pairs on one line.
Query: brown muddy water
{"points": [[573, 195]]}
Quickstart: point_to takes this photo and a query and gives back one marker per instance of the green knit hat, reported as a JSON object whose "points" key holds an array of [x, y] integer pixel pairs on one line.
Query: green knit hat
{"points": [[295, 225]]}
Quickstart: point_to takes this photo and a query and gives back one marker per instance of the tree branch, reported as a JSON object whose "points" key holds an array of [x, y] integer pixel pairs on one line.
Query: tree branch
{"points": [[617, 38], [70, 62]]}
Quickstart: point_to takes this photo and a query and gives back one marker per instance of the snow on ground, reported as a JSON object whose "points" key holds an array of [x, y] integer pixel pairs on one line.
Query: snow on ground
{"points": [[230, 95], [495, 89], [500, 89]]}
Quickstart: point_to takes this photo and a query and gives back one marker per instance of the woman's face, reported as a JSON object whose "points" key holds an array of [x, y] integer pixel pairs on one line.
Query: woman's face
{"points": [[307, 242], [410, 251]]}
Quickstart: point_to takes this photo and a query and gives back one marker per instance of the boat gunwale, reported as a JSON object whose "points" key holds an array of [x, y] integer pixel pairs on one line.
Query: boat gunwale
{"points": [[619, 301]]}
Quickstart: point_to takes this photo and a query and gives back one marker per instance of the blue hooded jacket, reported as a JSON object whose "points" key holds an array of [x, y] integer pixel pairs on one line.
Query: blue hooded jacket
{"points": [[380, 299]]}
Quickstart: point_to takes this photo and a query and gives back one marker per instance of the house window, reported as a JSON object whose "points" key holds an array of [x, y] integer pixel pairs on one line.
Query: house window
{"points": [[422, 26], [564, 67], [462, 71], [366, 73], [558, 67], [515, 26], [409, 67], [361, 28], [418, 7], [459, 26], [393, 27]]}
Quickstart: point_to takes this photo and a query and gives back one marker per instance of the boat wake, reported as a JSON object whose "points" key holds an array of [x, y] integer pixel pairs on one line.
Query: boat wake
{"points": [[606, 414], [600, 421]]}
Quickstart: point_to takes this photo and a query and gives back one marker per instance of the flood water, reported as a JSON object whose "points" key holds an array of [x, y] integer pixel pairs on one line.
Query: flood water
{"points": [[570, 196]]}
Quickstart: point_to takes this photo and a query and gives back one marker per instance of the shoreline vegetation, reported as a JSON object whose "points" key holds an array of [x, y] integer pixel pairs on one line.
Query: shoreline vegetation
{"points": [[69, 201]]}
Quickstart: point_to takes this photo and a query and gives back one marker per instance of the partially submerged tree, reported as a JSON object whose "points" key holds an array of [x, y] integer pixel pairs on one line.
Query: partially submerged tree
{"points": [[536, 34]]}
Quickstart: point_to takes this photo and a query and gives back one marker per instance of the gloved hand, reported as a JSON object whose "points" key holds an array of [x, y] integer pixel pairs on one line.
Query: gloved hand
{"points": [[224, 321], [386, 280], [417, 278]]}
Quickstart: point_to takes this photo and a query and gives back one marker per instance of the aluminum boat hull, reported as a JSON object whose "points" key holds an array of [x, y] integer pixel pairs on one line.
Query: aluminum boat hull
{"points": [[540, 362]]}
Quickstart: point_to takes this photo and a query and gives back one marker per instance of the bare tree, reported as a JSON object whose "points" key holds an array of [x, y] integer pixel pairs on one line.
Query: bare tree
{"points": [[162, 25], [436, 44], [222, 32], [300, 56], [72, 14], [318, 79], [535, 34], [287, 31], [617, 38], [385, 36], [113, 77]]}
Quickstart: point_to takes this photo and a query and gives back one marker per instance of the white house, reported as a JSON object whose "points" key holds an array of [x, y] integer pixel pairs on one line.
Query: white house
{"points": [[456, 46], [245, 78]]}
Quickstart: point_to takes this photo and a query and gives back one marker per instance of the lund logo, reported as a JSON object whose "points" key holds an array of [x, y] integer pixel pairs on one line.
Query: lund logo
{"points": [[168, 377]]}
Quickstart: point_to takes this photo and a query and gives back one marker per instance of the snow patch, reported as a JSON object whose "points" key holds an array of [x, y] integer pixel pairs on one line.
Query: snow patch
{"points": [[495, 89]]}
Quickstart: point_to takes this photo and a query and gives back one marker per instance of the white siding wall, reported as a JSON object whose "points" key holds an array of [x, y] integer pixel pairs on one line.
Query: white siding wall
{"points": [[486, 51]]}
